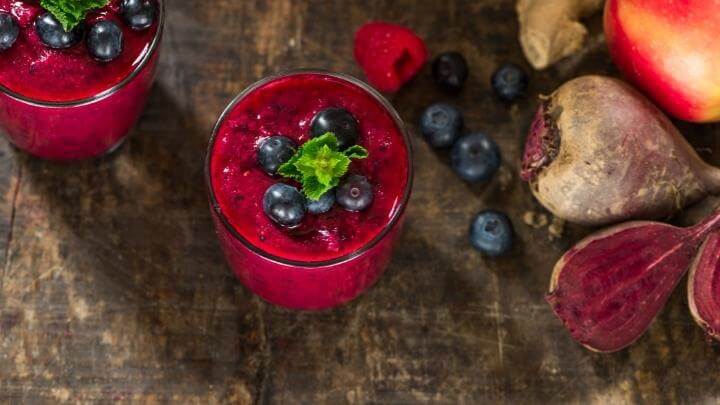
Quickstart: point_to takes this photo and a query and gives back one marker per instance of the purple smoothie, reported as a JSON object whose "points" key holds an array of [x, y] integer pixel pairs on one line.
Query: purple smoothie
{"points": [[286, 106], [62, 104], [37, 72]]}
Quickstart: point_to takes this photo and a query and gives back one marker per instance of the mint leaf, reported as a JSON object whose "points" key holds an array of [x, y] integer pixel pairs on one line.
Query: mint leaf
{"points": [[314, 145], [289, 170], [312, 188], [325, 164], [70, 13], [356, 152], [318, 164]]}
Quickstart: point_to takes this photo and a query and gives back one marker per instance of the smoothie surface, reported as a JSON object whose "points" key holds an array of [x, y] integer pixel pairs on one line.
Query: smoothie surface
{"points": [[286, 106], [37, 72]]}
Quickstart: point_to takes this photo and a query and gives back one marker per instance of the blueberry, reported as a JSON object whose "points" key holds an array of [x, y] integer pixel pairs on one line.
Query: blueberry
{"points": [[354, 193], [53, 35], [323, 205], [509, 82], [491, 233], [105, 41], [274, 151], [338, 121], [475, 157], [441, 124], [450, 71], [9, 31], [138, 14], [284, 204]]}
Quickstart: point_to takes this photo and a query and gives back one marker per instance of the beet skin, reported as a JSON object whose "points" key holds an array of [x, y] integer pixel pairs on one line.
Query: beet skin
{"points": [[599, 152]]}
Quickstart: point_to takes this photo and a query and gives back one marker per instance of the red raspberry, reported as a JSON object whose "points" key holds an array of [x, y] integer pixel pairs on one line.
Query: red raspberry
{"points": [[389, 54]]}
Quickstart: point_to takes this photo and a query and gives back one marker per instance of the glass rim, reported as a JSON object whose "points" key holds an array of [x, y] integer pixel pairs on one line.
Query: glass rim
{"points": [[107, 92], [397, 215]]}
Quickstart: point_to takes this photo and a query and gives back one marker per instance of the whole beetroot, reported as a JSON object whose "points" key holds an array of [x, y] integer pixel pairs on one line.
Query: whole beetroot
{"points": [[599, 152]]}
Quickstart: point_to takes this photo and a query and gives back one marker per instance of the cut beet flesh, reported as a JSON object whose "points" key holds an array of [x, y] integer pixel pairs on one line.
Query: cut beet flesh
{"points": [[704, 286], [541, 146], [611, 285]]}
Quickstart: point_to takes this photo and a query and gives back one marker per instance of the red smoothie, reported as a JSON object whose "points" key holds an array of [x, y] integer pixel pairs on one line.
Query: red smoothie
{"points": [[286, 106], [331, 257], [64, 104], [35, 71]]}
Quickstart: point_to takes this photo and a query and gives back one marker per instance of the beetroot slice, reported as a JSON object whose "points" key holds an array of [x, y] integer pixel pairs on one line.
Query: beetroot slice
{"points": [[704, 286], [611, 285]]}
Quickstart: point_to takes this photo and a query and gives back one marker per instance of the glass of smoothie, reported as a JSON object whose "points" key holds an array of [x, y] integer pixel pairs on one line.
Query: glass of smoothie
{"points": [[290, 249], [74, 94]]}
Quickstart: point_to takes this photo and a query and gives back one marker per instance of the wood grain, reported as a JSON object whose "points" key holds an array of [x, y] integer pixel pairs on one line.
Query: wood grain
{"points": [[113, 287]]}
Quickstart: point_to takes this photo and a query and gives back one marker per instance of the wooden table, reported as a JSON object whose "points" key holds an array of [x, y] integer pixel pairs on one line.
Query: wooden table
{"points": [[113, 287]]}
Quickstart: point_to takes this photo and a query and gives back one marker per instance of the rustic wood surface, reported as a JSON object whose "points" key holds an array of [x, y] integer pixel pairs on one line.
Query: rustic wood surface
{"points": [[113, 287]]}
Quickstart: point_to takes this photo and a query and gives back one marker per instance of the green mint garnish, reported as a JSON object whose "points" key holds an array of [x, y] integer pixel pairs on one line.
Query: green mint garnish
{"points": [[318, 164], [71, 12]]}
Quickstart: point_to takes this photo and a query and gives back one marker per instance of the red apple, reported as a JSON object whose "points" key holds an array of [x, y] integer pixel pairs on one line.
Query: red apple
{"points": [[671, 50]]}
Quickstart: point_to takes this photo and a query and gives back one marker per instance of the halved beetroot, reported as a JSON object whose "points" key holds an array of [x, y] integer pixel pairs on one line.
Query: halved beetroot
{"points": [[609, 287], [704, 286]]}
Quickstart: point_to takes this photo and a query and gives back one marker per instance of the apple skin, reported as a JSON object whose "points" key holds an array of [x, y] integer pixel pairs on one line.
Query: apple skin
{"points": [[671, 50]]}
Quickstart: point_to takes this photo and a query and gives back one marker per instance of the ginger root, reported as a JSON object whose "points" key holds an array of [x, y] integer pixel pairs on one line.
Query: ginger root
{"points": [[550, 29]]}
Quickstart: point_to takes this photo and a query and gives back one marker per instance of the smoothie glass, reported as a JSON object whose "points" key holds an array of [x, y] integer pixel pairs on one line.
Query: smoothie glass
{"points": [[309, 284], [84, 128]]}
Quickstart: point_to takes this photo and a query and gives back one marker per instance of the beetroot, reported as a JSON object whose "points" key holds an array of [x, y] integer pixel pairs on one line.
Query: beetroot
{"points": [[609, 287], [704, 286], [599, 152]]}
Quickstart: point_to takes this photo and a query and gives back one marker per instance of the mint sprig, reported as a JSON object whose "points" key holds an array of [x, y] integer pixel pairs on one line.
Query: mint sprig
{"points": [[70, 13], [319, 164]]}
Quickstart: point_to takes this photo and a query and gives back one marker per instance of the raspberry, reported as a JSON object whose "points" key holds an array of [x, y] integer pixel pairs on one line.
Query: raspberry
{"points": [[389, 54]]}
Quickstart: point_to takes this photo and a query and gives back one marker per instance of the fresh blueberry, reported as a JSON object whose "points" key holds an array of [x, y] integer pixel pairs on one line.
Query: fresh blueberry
{"points": [[53, 35], [509, 82], [105, 41], [9, 31], [355, 193], [475, 157], [441, 125], [450, 71], [284, 204], [491, 233], [323, 205], [338, 121], [274, 151], [138, 14]]}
